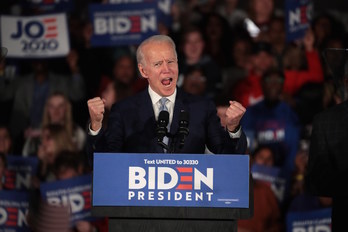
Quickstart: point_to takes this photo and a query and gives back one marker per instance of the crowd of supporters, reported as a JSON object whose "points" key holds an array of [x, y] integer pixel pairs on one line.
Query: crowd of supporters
{"points": [[282, 84]]}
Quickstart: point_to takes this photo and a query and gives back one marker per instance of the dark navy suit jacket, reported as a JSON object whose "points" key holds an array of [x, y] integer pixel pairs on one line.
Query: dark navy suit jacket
{"points": [[327, 170], [132, 128]]}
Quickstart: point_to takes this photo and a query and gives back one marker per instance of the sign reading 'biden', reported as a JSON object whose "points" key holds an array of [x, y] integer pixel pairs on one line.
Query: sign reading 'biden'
{"points": [[181, 180], [123, 24], [74, 192]]}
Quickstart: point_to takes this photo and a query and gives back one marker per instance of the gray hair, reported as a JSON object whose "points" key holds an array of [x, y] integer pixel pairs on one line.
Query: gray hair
{"points": [[154, 39]]}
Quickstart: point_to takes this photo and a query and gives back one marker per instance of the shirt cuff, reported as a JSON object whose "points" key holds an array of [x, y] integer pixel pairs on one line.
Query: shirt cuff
{"points": [[92, 132], [235, 135]]}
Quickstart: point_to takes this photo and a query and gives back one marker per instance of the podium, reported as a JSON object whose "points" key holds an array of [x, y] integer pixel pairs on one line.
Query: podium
{"points": [[171, 192]]}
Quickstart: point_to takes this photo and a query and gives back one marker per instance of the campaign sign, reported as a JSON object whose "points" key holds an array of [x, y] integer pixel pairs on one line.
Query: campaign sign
{"points": [[164, 7], [298, 14], [19, 172], [74, 192], [35, 36], [273, 176], [123, 24], [14, 207], [50, 6], [179, 180], [309, 221]]}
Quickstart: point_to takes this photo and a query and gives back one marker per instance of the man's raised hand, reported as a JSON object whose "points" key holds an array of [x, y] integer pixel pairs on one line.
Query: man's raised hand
{"points": [[96, 109]]}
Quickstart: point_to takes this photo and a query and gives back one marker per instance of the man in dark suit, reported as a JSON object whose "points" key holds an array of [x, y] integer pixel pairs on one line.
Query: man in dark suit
{"points": [[132, 122], [327, 170]]}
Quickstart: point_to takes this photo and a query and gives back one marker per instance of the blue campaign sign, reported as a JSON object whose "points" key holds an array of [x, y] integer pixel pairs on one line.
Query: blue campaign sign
{"points": [[306, 221], [123, 24], [75, 192], [273, 176], [14, 207], [50, 6], [182, 180], [164, 7], [298, 14], [22, 164], [20, 171]]}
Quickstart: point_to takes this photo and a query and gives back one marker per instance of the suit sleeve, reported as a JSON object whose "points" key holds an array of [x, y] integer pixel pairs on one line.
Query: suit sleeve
{"points": [[109, 139], [218, 139]]}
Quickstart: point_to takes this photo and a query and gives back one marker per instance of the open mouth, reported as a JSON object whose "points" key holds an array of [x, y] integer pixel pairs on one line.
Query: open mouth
{"points": [[167, 81]]}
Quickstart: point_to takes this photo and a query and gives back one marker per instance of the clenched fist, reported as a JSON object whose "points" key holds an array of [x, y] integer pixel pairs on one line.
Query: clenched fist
{"points": [[234, 114], [96, 108]]}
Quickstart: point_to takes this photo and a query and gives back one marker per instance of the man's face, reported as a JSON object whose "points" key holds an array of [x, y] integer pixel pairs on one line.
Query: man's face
{"points": [[160, 67], [272, 87], [124, 70]]}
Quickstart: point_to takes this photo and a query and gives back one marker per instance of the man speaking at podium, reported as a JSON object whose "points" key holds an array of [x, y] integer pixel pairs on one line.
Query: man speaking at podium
{"points": [[133, 126], [163, 118]]}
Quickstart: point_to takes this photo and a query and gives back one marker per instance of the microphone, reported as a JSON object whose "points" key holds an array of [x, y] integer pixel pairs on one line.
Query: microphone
{"points": [[183, 131], [161, 131]]}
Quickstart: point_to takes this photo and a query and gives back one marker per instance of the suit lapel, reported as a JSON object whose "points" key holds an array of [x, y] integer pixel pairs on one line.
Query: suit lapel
{"points": [[147, 115]]}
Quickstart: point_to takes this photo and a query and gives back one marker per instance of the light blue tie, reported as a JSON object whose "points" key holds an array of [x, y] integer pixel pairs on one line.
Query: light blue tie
{"points": [[162, 107], [163, 102]]}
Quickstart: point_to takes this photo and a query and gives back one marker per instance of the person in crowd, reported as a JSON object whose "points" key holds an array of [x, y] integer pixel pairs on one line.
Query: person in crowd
{"points": [[238, 69], [5, 140], [260, 13], [217, 34], [132, 122], [327, 164], [231, 12], [249, 91], [54, 139], [273, 122], [325, 26], [267, 213], [58, 111], [114, 92], [93, 62], [30, 93], [195, 82], [68, 165], [301, 200], [124, 72], [277, 38], [263, 155], [193, 53]]}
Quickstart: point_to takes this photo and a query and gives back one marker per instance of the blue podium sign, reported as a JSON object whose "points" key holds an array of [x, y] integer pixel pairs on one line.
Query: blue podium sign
{"points": [[177, 180]]}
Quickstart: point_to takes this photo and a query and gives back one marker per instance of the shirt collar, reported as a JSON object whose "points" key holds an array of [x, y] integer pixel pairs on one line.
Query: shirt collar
{"points": [[155, 97]]}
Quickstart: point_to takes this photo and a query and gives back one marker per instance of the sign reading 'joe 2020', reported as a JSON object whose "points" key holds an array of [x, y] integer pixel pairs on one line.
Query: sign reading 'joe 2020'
{"points": [[182, 180]]}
